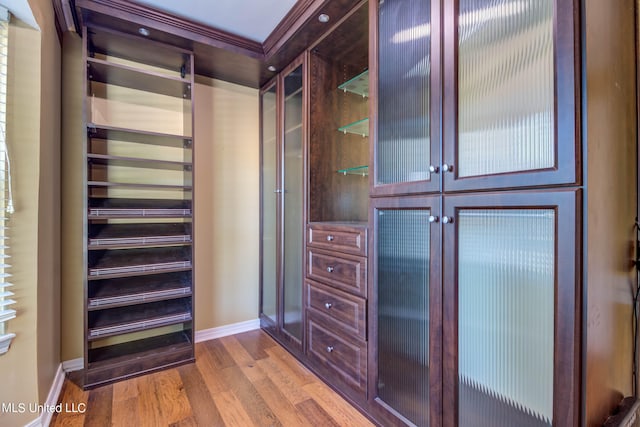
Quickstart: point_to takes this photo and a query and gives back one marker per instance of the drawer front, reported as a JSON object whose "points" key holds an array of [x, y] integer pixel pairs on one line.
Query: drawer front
{"points": [[346, 272], [347, 239], [341, 309], [346, 358]]}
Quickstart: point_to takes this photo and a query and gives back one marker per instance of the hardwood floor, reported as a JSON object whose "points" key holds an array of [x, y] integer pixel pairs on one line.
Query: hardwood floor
{"points": [[241, 380]]}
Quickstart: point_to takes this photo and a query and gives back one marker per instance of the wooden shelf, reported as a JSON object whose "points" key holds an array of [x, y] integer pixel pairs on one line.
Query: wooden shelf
{"points": [[102, 71], [112, 293], [138, 185], [113, 236], [110, 208], [124, 320], [137, 136], [133, 262], [105, 41], [108, 160]]}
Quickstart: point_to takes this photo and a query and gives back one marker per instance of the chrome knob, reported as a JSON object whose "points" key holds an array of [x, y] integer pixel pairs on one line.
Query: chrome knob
{"points": [[330, 269], [433, 218], [433, 169], [329, 349], [447, 219], [328, 305], [329, 238], [447, 168]]}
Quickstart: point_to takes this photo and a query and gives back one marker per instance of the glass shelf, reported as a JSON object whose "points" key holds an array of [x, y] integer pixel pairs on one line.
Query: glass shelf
{"points": [[361, 127], [358, 170], [358, 84]]}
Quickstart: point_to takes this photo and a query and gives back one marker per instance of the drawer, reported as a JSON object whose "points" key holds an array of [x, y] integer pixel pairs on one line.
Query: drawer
{"points": [[343, 238], [346, 272], [347, 359], [341, 309]]}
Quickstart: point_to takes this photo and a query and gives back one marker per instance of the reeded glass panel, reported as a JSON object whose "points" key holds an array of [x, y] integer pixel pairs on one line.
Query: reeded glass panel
{"points": [[505, 86], [403, 150], [269, 200], [403, 312], [506, 276], [293, 203]]}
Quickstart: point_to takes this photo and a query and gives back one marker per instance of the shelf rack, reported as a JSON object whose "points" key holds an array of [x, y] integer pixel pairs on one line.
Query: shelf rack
{"points": [[358, 85], [358, 170], [360, 127]]}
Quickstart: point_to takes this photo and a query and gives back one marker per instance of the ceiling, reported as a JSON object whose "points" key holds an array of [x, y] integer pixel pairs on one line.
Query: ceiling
{"points": [[252, 19]]}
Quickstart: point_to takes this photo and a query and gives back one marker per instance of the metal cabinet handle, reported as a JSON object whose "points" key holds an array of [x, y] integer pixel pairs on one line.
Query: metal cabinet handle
{"points": [[329, 238], [328, 305], [433, 218], [434, 169], [447, 168], [329, 349], [447, 219], [330, 269], [277, 191]]}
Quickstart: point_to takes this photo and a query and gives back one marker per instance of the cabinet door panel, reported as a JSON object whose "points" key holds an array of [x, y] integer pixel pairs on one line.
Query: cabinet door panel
{"points": [[268, 207], [510, 109], [406, 331], [293, 202], [407, 129], [510, 310]]}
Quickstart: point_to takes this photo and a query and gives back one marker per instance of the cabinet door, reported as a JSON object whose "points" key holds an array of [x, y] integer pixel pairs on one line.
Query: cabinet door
{"points": [[268, 208], [510, 311], [510, 94], [406, 117], [293, 203], [405, 319]]}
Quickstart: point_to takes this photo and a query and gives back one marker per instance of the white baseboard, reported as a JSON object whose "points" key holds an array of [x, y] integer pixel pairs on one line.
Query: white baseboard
{"points": [[52, 399], [73, 365], [223, 331]]}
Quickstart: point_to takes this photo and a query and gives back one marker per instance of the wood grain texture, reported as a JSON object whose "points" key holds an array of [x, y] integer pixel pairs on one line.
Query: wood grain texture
{"points": [[241, 380]]}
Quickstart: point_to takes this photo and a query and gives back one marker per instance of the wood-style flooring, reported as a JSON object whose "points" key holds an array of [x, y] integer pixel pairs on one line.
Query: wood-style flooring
{"points": [[241, 380]]}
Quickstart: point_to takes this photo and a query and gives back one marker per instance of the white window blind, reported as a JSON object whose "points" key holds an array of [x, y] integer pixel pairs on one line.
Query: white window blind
{"points": [[6, 201]]}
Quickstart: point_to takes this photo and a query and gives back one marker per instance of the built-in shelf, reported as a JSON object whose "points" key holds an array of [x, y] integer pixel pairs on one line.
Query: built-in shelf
{"points": [[358, 170], [113, 236], [361, 127], [135, 162], [294, 128], [133, 262], [110, 293], [111, 208], [293, 94], [358, 84], [138, 185], [99, 70], [123, 320], [138, 136]]}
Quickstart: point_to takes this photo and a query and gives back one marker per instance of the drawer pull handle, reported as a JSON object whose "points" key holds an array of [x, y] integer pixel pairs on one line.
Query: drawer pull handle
{"points": [[329, 238], [329, 349], [328, 305], [330, 269]]}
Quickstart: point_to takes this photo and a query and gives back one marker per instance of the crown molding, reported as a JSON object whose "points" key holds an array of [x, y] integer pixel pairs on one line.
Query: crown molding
{"points": [[171, 24]]}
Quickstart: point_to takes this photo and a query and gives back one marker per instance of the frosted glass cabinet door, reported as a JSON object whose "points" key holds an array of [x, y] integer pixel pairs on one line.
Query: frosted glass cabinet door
{"points": [[407, 360], [506, 68], [510, 292], [407, 143], [293, 201], [268, 207]]}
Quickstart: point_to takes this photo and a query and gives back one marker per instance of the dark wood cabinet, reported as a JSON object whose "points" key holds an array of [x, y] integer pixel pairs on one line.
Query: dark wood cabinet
{"points": [[139, 205]]}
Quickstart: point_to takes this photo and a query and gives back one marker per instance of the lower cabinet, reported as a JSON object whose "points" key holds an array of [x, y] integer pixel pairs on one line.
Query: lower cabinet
{"points": [[336, 304]]}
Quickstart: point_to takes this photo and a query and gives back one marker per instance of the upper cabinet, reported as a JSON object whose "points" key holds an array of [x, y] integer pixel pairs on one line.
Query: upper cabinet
{"points": [[406, 154], [495, 108], [510, 94]]}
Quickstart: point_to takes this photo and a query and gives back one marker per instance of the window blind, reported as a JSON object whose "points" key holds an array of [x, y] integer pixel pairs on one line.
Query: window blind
{"points": [[6, 202]]}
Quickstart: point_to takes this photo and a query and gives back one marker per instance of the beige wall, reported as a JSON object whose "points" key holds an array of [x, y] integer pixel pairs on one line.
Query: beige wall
{"points": [[226, 196], [33, 104], [227, 203], [611, 204]]}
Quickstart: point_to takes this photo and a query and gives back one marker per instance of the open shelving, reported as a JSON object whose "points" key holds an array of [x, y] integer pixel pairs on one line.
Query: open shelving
{"points": [[358, 85], [139, 206], [359, 127]]}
